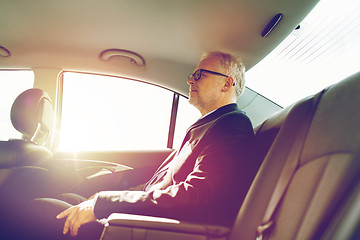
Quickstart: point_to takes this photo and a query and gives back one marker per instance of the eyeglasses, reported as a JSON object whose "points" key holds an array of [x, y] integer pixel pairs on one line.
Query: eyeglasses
{"points": [[197, 74]]}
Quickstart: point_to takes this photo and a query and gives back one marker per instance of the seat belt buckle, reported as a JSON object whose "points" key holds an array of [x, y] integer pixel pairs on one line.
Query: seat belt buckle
{"points": [[263, 229]]}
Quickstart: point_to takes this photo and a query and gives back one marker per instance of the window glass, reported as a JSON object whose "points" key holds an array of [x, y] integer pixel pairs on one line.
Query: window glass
{"points": [[186, 116], [12, 84], [323, 50], [111, 113]]}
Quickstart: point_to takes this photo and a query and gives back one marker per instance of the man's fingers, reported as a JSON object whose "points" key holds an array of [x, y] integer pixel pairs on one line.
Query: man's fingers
{"points": [[66, 226], [74, 228], [65, 213], [77, 216], [69, 221]]}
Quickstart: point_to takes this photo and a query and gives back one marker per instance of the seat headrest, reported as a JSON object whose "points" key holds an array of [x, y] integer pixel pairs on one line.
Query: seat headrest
{"points": [[32, 114]]}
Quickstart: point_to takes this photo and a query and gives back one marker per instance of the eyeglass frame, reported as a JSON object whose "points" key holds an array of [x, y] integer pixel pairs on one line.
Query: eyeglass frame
{"points": [[208, 71]]}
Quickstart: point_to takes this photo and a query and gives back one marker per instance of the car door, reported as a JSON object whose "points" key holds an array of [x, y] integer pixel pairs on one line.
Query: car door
{"points": [[118, 124]]}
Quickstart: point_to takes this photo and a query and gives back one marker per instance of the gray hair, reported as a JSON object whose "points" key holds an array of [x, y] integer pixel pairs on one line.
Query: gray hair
{"points": [[233, 67]]}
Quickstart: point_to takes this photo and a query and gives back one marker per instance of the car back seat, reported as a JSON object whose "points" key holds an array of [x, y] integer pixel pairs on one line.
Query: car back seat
{"points": [[327, 170], [328, 167], [267, 131]]}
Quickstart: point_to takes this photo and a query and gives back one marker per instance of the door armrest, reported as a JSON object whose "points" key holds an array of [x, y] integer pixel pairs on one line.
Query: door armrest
{"points": [[130, 226]]}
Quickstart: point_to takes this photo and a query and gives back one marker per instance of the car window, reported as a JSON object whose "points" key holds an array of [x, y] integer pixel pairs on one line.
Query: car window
{"points": [[112, 113], [187, 115], [13, 82], [321, 51]]}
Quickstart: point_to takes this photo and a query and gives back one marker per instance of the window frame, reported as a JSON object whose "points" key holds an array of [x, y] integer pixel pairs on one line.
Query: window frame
{"points": [[59, 105]]}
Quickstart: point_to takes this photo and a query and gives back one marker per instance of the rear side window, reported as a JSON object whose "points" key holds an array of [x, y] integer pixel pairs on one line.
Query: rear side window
{"points": [[111, 113], [186, 116], [12, 82]]}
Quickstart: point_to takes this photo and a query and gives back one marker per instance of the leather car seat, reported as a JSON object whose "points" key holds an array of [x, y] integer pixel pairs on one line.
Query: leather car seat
{"points": [[22, 175], [28, 161], [32, 115], [326, 171], [22, 160]]}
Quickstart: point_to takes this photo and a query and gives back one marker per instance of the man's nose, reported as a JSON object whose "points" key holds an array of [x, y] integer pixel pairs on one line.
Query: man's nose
{"points": [[191, 80]]}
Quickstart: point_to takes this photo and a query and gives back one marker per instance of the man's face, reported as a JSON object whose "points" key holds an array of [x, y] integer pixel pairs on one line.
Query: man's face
{"points": [[204, 93]]}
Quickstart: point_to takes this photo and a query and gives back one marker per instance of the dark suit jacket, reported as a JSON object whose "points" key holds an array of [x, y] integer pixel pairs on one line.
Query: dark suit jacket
{"points": [[205, 180]]}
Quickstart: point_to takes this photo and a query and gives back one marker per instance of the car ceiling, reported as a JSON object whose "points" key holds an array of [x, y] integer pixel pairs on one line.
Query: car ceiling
{"points": [[169, 35]]}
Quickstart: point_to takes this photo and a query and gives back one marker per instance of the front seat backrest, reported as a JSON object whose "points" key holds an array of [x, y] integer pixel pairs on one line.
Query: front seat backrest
{"points": [[32, 115]]}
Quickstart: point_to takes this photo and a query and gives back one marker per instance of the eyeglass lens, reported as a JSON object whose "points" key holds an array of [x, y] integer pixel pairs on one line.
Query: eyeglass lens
{"points": [[197, 75]]}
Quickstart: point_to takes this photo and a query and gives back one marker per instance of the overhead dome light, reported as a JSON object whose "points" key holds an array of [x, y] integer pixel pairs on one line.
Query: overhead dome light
{"points": [[272, 24], [4, 52], [133, 57]]}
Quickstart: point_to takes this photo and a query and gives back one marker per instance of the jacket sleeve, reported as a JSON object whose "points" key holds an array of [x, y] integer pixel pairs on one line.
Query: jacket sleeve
{"points": [[216, 168]]}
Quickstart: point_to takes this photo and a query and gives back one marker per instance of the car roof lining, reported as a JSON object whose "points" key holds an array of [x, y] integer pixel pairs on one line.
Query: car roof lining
{"points": [[71, 35]]}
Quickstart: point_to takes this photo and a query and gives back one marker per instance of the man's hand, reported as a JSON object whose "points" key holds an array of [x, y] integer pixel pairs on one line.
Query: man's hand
{"points": [[77, 216]]}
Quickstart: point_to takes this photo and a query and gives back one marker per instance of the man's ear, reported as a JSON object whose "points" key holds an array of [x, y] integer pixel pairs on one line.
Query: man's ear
{"points": [[229, 82]]}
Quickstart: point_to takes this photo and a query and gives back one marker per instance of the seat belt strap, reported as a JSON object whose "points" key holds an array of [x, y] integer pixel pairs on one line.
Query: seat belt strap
{"points": [[290, 166]]}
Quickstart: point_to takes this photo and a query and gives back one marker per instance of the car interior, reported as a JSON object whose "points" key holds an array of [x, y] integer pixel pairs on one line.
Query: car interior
{"points": [[94, 66]]}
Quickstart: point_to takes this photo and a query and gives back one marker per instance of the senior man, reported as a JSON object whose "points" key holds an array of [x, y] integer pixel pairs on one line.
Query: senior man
{"points": [[205, 180]]}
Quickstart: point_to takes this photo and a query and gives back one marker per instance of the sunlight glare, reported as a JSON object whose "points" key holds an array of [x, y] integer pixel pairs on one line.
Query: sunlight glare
{"points": [[322, 52], [110, 113]]}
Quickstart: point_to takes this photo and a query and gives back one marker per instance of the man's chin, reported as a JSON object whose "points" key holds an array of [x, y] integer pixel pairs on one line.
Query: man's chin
{"points": [[191, 100], [194, 102]]}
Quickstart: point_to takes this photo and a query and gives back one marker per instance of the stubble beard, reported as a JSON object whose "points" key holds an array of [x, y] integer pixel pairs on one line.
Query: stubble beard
{"points": [[200, 103]]}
